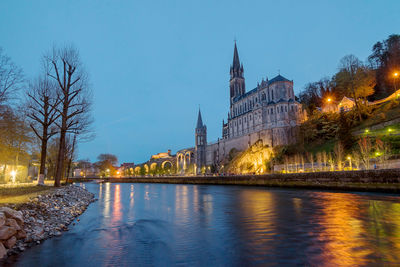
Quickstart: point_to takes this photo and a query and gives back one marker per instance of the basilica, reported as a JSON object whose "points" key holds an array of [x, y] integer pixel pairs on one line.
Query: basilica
{"points": [[267, 113]]}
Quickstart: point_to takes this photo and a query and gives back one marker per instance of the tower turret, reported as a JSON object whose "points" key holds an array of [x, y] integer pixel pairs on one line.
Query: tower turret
{"points": [[201, 143], [236, 83]]}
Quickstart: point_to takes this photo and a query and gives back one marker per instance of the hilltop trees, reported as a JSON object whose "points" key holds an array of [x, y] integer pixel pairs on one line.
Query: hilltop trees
{"points": [[313, 94], [385, 60], [356, 80]]}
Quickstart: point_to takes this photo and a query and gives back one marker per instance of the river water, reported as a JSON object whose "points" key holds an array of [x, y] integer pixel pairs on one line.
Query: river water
{"points": [[205, 225]]}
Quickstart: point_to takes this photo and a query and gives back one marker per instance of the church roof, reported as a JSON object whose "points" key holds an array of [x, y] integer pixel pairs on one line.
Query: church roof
{"points": [[279, 78], [199, 121]]}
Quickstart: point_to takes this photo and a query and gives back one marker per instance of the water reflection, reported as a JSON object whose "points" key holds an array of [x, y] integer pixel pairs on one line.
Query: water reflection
{"points": [[159, 225]]}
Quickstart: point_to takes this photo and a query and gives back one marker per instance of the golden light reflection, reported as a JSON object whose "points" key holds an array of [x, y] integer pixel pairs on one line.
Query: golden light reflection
{"points": [[341, 235], [258, 206], [182, 203], [131, 202], [107, 200], [117, 212]]}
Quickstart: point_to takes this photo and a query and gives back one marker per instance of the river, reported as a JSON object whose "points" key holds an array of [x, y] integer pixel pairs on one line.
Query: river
{"points": [[206, 225]]}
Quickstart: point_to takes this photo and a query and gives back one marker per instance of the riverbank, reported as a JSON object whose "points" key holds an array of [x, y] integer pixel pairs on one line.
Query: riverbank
{"points": [[385, 180], [43, 216]]}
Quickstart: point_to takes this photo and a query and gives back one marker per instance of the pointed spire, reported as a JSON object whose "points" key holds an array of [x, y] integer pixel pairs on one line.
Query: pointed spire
{"points": [[236, 61], [199, 121]]}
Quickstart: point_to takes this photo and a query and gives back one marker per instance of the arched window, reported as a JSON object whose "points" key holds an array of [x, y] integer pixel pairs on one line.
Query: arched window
{"points": [[263, 96], [272, 94]]}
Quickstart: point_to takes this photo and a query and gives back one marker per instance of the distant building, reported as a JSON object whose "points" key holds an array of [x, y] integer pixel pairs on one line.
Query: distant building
{"points": [[345, 104]]}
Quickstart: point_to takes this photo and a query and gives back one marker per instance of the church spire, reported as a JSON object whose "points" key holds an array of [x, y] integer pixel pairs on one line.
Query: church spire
{"points": [[237, 85], [199, 121], [236, 61]]}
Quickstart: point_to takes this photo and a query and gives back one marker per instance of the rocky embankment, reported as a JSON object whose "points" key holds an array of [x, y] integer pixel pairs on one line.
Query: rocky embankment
{"points": [[42, 217]]}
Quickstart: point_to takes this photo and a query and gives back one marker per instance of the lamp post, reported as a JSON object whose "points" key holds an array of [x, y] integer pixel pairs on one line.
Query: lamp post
{"points": [[351, 166], [395, 75]]}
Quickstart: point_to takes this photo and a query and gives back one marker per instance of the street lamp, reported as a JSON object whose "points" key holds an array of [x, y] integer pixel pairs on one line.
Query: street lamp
{"points": [[351, 166], [13, 175], [395, 75]]}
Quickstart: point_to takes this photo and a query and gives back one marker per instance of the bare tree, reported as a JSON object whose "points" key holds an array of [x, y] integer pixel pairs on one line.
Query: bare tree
{"points": [[319, 160], [11, 77], [75, 98], [339, 151], [310, 157], [42, 102], [365, 148]]}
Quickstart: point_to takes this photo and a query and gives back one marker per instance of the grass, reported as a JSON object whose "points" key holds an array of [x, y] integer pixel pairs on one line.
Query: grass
{"points": [[17, 194]]}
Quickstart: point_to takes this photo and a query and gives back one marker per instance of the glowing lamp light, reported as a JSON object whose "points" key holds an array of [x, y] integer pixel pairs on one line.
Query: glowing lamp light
{"points": [[389, 130], [329, 99], [13, 173], [377, 153], [366, 131], [396, 74], [349, 158]]}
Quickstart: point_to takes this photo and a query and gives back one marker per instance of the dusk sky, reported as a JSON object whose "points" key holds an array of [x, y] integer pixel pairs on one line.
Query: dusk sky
{"points": [[152, 63]]}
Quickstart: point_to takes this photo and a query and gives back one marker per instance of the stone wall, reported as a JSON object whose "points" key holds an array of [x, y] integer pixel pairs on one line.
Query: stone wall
{"points": [[387, 180], [218, 151]]}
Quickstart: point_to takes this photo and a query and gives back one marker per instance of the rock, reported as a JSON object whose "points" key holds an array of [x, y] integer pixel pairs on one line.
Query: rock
{"points": [[2, 219], [13, 223], [6, 232], [3, 251], [21, 234], [10, 242], [10, 213], [38, 231]]}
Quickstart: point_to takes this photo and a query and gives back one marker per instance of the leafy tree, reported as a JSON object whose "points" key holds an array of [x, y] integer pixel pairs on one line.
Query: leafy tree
{"points": [[106, 163], [344, 134]]}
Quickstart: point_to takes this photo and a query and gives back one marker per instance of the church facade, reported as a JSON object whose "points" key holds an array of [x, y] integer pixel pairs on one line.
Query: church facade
{"points": [[267, 113]]}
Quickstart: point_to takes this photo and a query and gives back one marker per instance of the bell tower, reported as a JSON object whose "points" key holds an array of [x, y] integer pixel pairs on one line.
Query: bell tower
{"points": [[236, 83], [201, 143]]}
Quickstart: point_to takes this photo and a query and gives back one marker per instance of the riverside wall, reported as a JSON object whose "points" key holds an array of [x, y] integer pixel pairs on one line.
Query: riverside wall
{"points": [[386, 180]]}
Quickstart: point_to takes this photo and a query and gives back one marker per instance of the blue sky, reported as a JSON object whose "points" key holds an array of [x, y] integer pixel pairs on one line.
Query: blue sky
{"points": [[152, 63]]}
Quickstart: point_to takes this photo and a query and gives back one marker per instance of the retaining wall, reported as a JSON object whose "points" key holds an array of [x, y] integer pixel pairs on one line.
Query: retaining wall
{"points": [[387, 180]]}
